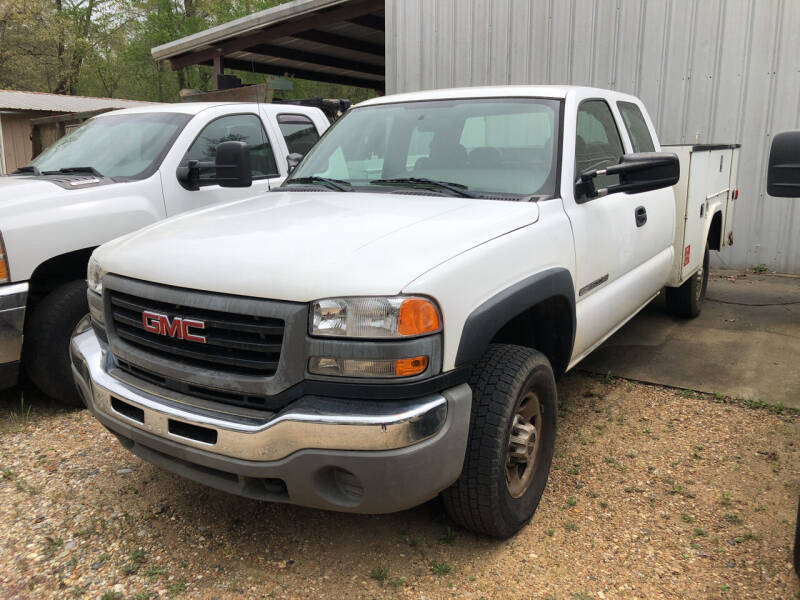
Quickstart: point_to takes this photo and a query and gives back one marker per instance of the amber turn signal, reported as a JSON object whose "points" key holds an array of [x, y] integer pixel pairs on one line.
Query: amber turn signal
{"points": [[406, 367], [417, 316]]}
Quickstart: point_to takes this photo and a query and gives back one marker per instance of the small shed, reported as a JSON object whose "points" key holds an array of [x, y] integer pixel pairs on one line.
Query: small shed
{"points": [[32, 121]]}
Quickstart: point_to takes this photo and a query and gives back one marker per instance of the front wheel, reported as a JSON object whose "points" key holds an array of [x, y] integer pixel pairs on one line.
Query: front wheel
{"points": [[511, 442], [687, 300], [60, 315]]}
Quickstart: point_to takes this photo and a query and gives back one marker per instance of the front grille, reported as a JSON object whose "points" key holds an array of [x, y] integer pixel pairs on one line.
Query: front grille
{"points": [[235, 343]]}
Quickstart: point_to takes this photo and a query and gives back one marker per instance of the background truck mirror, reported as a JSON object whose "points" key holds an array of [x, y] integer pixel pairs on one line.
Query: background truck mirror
{"points": [[783, 174], [293, 160], [233, 165]]}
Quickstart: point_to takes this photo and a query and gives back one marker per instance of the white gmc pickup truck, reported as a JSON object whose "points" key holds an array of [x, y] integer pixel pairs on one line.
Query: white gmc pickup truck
{"points": [[117, 173], [389, 324]]}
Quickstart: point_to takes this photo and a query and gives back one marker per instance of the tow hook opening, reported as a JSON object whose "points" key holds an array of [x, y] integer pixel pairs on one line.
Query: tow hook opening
{"points": [[339, 486]]}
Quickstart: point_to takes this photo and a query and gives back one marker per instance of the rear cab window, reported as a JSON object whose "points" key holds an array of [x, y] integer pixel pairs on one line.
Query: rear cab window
{"points": [[299, 133], [641, 140], [598, 144]]}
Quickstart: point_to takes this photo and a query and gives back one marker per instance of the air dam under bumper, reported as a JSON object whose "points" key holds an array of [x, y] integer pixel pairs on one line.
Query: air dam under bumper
{"points": [[348, 455]]}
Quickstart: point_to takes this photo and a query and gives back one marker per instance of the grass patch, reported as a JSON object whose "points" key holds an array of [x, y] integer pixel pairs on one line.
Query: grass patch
{"points": [[441, 569], [379, 573], [734, 519]]}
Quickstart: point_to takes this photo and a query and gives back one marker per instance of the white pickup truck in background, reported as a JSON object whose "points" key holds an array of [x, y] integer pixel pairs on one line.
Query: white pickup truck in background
{"points": [[388, 324], [117, 173]]}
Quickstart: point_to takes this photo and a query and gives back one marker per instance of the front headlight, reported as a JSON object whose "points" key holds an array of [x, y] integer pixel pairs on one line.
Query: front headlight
{"points": [[378, 317], [94, 276]]}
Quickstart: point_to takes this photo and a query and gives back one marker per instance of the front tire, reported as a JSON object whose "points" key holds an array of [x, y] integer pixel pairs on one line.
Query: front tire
{"points": [[687, 300], [47, 337], [511, 442]]}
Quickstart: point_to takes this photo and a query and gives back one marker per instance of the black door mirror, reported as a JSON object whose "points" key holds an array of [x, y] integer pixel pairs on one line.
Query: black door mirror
{"points": [[293, 160], [640, 172], [233, 165], [783, 174]]}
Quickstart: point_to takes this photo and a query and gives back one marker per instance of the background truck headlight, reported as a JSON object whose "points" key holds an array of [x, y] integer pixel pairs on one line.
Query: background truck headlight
{"points": [[94, 276], [374, 317]]}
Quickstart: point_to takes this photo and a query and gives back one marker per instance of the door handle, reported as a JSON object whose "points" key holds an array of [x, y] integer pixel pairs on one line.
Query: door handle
{"points": [[641, 216]]}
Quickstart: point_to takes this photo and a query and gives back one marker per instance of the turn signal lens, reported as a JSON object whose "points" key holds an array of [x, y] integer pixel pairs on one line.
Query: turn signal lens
{"points": [[406, 367], [417, 316], [351, 367], [3, 263]]}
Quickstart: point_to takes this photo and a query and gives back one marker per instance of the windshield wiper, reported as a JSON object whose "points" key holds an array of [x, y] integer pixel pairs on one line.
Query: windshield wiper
{"points": [[455, 189], [28, 169], [91, 170], [339, 185]]}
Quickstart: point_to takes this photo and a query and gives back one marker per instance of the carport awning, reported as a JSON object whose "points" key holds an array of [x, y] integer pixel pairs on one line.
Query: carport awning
{"points": [[334, 41]]}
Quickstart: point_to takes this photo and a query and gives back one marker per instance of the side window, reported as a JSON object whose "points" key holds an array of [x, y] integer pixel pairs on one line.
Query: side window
{"points": [[239, 128], [299, 133], [598, 144], [636, 126]]}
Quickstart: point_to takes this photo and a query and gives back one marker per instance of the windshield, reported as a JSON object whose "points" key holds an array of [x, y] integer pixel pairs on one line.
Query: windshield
{"points": [[503, 146], [129, 146]]}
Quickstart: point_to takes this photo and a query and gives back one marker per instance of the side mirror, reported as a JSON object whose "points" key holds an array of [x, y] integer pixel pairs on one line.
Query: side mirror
{"points": [[783, 173], [233, 165], [293, 160], [640, 172]]}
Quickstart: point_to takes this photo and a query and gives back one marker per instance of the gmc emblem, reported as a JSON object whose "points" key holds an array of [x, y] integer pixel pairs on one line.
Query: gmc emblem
{"points": [[176, 328]]}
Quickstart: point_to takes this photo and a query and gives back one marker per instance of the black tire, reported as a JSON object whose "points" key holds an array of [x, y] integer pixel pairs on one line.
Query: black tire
{"points": [[47, 336], [481, 500], [687, 300]]}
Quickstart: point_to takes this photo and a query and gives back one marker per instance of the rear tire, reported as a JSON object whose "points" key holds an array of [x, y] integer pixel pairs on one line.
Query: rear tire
{"points": [[47, 337], [511, 441], [687, 300]]}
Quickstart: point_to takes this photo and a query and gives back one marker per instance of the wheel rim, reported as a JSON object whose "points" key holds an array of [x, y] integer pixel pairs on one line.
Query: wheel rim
{"points": [[522, 451], [698, 288]]}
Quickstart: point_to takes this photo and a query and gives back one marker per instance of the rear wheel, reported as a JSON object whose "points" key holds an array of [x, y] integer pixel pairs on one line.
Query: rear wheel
{"points": [[60, 315], [687, 300], [511, 442]]}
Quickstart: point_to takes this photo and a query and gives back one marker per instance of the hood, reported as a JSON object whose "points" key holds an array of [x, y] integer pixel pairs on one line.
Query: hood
{"points": [[301, 246], [19, 189]]}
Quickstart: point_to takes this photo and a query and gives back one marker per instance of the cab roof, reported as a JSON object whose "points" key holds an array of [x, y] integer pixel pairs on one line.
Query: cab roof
{"points": [[558, 92], [194, 108]]}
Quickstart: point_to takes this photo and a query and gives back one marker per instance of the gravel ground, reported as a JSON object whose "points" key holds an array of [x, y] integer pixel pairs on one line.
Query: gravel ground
{"points": [[655, 493]]}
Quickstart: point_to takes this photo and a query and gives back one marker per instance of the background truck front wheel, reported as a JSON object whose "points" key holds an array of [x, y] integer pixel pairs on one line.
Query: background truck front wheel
{"points": [[511, 441], [686, 301], [47, 336]]}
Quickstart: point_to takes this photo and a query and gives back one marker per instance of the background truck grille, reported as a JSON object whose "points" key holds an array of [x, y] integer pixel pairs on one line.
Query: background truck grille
{"points": [[235, 343]]}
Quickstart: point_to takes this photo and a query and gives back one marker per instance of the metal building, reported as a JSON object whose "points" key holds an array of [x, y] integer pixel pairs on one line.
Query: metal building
{"points": [[708, 70]]}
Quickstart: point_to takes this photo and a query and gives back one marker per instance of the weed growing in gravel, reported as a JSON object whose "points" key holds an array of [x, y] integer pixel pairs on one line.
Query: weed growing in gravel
{"points": [[735, 519], [51, 545], [176, 588], [570, 526], [549, 533], [379, 573], [135, 560], [441, 569], [111, 595], [448, 537], [581, 596], [396, 582], [20, 419], [154, 571], [726, 499], [687, 518], [144, 595], [571, 501], [700, 532]]}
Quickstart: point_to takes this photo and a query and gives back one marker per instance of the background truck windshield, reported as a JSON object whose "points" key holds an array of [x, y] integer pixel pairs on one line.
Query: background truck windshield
{"points": [[498, 145], [129, 146]]}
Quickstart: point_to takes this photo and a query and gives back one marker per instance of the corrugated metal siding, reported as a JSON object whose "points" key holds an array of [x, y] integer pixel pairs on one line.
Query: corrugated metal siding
{"points": [[17, 100], [708, 71]]}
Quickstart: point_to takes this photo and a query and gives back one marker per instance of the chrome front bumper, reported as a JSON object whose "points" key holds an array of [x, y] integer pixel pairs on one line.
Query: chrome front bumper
{"points": [[400, 453], [12, 319], [308, 423]]}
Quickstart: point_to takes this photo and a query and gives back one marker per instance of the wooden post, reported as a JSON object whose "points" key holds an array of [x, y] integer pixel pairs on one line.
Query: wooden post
{"points": [[218, 69]]}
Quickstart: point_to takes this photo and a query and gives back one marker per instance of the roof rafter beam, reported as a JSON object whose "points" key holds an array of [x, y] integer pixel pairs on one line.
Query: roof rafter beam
{"points": [[370, 21], [343, 13], [317, 59], [340, 41], [254, 67]]}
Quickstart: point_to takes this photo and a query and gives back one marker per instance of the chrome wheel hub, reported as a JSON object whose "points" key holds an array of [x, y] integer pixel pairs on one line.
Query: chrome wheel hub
{"points": [[523, 444]]}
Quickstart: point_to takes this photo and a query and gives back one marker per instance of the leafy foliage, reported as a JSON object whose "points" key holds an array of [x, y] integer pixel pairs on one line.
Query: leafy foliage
{"points": [[102, 47]]}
